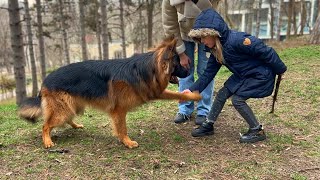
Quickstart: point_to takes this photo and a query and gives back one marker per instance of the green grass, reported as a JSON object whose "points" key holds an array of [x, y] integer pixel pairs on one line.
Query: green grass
{"points": [[167, 150]]}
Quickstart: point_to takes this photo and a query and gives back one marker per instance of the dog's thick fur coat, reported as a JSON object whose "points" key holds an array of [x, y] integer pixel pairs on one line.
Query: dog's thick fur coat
{"points": [[115, 87]]}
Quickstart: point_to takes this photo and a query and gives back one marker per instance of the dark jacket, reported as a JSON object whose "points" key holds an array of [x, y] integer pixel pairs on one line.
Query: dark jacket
{"points": [[253, 64]]}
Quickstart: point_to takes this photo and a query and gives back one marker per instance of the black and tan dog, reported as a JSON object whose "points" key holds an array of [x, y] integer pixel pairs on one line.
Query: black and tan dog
{"points": [[115, 87]]}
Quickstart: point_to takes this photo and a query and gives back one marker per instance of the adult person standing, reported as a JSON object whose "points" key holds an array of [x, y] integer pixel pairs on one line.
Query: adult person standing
{"points": [[178, 17]]}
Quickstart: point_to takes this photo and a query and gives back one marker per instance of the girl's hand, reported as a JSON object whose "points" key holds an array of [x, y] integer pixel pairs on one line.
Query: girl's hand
{"points": [[184, 92]]}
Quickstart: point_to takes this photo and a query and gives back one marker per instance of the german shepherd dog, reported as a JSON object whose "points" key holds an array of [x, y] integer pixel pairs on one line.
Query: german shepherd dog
{"points": [[112, 86]]}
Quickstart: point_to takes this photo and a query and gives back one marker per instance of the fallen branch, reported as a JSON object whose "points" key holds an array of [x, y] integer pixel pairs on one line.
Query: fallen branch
{"points": [[309, 169]]}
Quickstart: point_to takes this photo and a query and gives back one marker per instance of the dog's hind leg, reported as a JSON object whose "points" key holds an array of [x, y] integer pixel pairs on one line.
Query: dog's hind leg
{"points": [[79, 110], [46, 130], [53, 117], [120, 128], [50, 123], [75, 125]]}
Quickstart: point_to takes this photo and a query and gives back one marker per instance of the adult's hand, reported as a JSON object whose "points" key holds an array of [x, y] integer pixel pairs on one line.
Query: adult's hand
{"points": [[184, 60]]}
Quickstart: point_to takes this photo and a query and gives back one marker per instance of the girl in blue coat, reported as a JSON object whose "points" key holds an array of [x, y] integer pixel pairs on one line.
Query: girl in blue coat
{"points": [[253, 64]]}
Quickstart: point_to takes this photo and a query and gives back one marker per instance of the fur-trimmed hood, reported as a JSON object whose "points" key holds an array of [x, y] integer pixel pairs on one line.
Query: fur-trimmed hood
{"points": [[209, 22]]}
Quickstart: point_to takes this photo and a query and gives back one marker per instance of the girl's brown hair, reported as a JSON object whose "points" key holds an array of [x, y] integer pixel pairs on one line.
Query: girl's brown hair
{"points": [[197, 34], [217, 50]]}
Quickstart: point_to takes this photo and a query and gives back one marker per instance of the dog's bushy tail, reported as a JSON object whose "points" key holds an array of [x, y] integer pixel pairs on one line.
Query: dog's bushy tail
{"points": [[30, 109]]}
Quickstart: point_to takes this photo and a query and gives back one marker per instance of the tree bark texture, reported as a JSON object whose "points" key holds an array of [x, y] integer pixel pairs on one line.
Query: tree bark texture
{"points": [[104, 30], [315, 35], [64, 32], [258, 18], [271, 18], [18, 52], [83, 31], [123, 37], [290, 11], [41, 41], [31, 51], [150, 7], [279, 20]]}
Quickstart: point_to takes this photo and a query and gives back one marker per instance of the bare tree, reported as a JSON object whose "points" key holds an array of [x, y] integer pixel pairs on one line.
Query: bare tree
{"points": [[303, 16], [41, 40], [123, 37], [279, 20], [98, 28], [31, 52], [104, 30], [226, 15], [294, 19], [17, 48], [83, 30], [64, 31], [150, 7], [271, 18], [290, 11], [258, 18], [315, 35], [5, 50], [140, 26]]}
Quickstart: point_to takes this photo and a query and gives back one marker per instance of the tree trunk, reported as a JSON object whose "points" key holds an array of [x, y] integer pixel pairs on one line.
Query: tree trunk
{"points": [[290, 10], [271, 19], [303, 16], [141, 35], [41, 41], [123, 38], [98, 29], [294, 19], [226, 9], [83, 31], [150, 7], [104, 30], [17, 48], [64, 32], [315, 34], [215, 4], [98, 35], [258, 18], [31, 52], [279, 20]]}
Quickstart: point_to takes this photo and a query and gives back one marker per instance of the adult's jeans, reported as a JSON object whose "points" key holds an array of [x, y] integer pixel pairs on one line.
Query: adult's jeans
{"points": [[204, 105]]}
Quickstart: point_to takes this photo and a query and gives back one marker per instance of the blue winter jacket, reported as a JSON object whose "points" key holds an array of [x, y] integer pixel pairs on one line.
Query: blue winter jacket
{"points": [[253, 64]]}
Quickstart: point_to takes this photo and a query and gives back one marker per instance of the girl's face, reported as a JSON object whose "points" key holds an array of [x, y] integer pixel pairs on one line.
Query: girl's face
{"points": [[209, 41]]}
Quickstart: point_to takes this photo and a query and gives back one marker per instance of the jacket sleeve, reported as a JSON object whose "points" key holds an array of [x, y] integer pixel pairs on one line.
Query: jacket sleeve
{"points": [[256, 48], [171, 25], [209, 73]]}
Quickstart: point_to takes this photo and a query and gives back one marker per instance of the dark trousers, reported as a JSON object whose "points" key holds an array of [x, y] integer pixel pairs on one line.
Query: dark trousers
{"points": [[237, 101]]}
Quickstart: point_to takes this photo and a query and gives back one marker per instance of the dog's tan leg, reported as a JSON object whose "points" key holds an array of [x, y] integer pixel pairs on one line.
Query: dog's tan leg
{"points": [[120, 128], [75, 125], [52, 119], [46, 130], [193, 96]]}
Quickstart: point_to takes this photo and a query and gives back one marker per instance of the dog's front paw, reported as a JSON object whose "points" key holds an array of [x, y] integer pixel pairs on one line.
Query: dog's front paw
{"points": [[196, 96], [131, 144], [192, 96], [48, 144]]}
